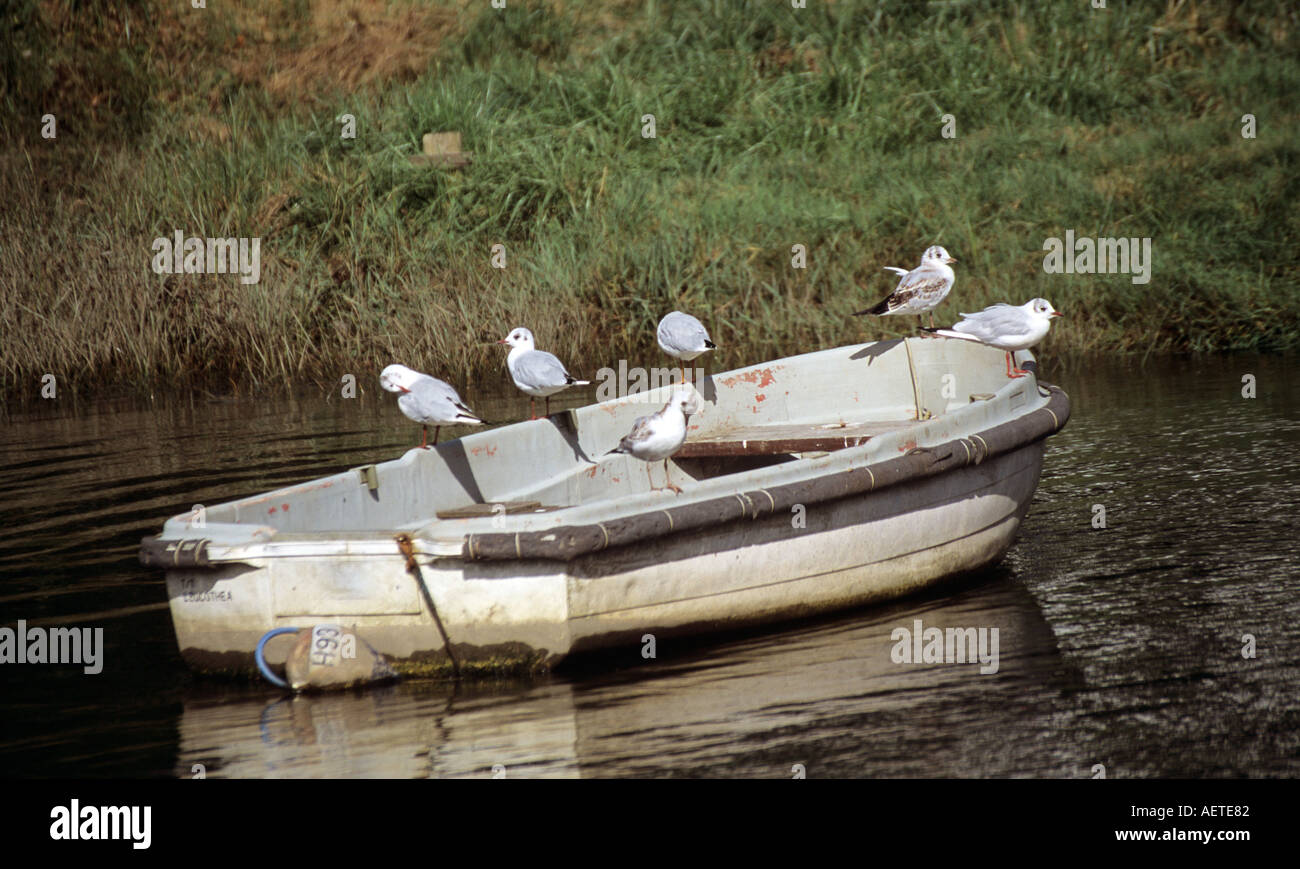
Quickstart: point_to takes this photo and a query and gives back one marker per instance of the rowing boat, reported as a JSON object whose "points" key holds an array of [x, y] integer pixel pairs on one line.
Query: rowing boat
{"points": [[810, 484]]}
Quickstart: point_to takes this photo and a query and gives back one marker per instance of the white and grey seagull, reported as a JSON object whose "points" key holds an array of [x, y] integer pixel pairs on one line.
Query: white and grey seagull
{"points": [[683, 337], [1006, 327], [426, 400], [536, 372], [657, 436], [921, 289]]}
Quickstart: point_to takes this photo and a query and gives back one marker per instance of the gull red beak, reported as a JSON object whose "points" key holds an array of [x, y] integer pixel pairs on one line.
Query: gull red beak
{"points": [[1057, 314], [503, 341], [951, 259]]}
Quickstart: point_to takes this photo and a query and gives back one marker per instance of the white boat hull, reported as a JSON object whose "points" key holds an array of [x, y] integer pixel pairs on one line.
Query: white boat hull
{"points": [[532, 615]]}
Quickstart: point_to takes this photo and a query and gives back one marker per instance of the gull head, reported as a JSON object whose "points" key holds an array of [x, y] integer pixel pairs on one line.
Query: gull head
{"points": [[519, 337], [1042, 308], [688, 400], [397, 378], [936, 254]]}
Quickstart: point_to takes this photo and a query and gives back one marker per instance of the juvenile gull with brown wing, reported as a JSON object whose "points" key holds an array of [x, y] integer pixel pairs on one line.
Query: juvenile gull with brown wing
{"points": [[921, 289], [657, 436]]}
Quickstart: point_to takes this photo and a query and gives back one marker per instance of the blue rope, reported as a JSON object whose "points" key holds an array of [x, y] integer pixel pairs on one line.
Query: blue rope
{"points": [[261, 661]]}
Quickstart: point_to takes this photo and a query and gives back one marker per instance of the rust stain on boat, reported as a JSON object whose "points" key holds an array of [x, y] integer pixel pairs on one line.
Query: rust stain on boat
{"points": [[762, 377]]}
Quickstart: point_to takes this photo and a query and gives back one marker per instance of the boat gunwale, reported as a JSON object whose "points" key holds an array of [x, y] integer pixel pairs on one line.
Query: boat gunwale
{"points": [[564, 543]]}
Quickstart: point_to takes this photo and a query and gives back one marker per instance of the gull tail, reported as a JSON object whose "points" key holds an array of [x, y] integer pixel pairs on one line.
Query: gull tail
{"points": [[881, 308], [709, 344], [569, 380], [466, 416], [949, 333]]}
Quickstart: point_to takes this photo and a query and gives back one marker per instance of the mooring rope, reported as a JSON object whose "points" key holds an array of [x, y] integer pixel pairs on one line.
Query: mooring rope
{"points": [[407, 548]]}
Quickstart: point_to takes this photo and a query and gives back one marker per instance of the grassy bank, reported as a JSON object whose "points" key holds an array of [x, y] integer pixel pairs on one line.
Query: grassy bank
{"points": [[775, 126]]}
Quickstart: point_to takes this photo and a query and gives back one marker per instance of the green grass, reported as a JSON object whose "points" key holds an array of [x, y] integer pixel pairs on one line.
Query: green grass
{"points": [[776, 126]]}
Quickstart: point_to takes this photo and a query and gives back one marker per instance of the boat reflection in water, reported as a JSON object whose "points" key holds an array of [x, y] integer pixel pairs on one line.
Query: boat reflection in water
{"points": [[814, 695]]}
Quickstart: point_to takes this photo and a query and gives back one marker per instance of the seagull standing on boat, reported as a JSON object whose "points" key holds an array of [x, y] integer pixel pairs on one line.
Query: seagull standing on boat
{"points": [[426, 400], [536, 372], [1006, 327], [661, 434], [683, 337], [921, 289]]}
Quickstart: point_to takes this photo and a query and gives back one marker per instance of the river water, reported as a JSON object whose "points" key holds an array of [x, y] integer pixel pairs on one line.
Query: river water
{"points": [[1120, 647]]}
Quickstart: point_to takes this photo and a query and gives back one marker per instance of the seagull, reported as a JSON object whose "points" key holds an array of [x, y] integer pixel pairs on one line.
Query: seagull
{"points": [[921, 289], [661, 434], [683, 337], [1006, 327], [536, 372], [426, 400]]}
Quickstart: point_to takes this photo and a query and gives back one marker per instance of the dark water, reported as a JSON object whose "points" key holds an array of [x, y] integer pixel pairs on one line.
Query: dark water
{"points": [[1119, 646]]}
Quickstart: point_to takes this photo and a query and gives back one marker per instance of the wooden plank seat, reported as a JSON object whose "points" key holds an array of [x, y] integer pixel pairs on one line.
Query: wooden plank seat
{"points": [[768, 440]]}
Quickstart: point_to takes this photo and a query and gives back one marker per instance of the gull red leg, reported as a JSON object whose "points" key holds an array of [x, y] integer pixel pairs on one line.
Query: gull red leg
{"points": [[669, 480], [532, 407], [436, 429], [424, 441], [1019, 372], [1016, 365]]}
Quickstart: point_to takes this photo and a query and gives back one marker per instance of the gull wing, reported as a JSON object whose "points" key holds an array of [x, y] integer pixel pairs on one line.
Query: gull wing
{"points": [[642, 430], [921, 283], [994, 321], [682, 332], [540, 369], [431, 400], [919, 288]]}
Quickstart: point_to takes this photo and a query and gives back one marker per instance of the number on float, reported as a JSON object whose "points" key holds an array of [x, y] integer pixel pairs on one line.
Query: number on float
{"points": [[325, 645]]}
